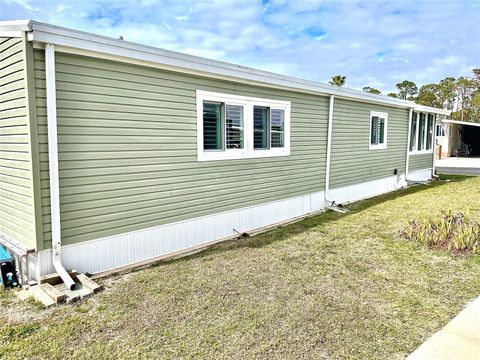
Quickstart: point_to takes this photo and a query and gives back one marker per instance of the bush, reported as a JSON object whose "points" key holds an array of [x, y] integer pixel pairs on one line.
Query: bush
{"points": [[454, 231]]}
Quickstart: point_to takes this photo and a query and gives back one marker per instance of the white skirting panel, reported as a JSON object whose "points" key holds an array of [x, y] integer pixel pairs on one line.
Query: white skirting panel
{"points": [[138, 246], [366, 189], [420, 175]]}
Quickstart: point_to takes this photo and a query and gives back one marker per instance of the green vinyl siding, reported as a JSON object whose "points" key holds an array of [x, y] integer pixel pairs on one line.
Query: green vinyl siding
{"points": [[352, 161], [420, 162], [17, 210], [128, 149]]}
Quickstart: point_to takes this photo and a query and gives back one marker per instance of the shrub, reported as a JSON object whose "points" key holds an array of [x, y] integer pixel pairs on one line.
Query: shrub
{"points": [[454, 231]]}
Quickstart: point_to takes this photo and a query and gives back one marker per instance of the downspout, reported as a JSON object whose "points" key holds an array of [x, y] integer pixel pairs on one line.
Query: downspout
{"points": [[53, 165], [329, 149], [407, 162], [434, 141]]}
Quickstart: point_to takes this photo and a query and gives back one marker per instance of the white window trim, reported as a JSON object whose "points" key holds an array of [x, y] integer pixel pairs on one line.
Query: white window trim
{"points": [[383, 115], [421, 152], [248, 103]]}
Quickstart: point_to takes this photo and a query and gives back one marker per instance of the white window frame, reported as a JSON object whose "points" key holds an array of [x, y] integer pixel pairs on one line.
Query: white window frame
{"points": [[248, 103], [423, 151], [382, 115]]}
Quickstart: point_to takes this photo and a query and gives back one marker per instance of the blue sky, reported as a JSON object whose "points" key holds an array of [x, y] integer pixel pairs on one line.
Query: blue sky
{"points": [[373, 43]]}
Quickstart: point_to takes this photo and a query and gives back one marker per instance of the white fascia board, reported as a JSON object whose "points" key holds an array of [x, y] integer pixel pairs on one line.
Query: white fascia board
{"points": [[431, 110], [45, 33], [16, 25], [460, 122]]}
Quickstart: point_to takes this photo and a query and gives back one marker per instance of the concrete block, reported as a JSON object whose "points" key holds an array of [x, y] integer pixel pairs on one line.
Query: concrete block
{"points": [[23, 295]]}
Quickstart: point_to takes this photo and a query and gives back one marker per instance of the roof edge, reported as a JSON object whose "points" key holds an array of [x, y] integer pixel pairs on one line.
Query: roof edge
{"points": [[459, 122], [16, 25], [47, 33]]}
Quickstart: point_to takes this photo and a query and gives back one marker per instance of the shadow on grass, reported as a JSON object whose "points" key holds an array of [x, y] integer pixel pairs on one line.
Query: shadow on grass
{"points": [[282, 232]]}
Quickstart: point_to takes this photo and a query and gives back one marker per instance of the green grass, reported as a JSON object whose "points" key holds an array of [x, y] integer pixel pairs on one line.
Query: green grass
{"points": [[330, 287]]}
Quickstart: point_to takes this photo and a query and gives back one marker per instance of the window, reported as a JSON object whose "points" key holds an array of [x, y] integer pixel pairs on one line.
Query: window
{"points": [[212, 126], [378, 130], [440, 130], [429, 132], [421, 132], [277, 121], [236, 127], [413, 131], [261, 126], [268, 128]]}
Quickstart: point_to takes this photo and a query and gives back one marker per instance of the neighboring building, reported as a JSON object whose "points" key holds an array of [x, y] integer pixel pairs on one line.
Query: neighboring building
{"points": [[457, 138], [126, 153]]}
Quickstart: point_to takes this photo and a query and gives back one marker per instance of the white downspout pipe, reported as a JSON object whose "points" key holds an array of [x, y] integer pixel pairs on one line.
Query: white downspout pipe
{"points": [[53, 165], [407, 161], [329, 149]]}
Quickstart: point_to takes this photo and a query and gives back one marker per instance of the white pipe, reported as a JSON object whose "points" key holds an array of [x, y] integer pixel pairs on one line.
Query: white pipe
{"points": [[407, 162], [329, 148], [53, 165]]}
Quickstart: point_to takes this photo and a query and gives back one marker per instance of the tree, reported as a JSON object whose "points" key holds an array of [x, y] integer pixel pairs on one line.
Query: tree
{"points": [[476, 73], [447, 92], [465, 89], [394, 95], [338, 80], [371, 90], [428, 96], [406, 89]]}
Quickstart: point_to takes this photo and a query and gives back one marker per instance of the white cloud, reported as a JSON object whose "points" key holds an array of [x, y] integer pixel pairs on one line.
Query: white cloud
{"points": [[373, 43]]}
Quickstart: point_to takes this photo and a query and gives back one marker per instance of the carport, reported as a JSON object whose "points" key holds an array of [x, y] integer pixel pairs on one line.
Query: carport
{"points": [[466, 149], [469, 136]]}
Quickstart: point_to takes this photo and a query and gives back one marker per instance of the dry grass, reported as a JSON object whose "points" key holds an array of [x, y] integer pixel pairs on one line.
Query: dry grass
{"points": [[330, 287]]}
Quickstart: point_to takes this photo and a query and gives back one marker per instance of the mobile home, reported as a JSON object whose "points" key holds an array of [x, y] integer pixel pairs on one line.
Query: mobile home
{"points": [[115, 154]]}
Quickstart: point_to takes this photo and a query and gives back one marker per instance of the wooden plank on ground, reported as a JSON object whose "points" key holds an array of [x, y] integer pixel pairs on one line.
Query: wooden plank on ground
{"points": [[54, 278], [41, 296], [88, 283], [54, 293]]}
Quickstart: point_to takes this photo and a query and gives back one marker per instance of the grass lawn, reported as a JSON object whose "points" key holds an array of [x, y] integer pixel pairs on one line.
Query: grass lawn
{"points": [[332, 286]]}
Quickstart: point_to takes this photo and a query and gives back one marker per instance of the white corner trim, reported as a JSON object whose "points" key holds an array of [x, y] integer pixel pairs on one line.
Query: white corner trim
{"points": [[383, 146], [247, 103], [117, 251]]}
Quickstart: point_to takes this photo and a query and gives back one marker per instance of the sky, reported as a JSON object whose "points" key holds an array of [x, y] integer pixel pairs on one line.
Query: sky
{"points": [[373, 43]]}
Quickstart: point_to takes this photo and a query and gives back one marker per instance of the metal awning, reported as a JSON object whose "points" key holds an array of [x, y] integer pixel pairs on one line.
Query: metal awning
{"points": [[458, 122]]}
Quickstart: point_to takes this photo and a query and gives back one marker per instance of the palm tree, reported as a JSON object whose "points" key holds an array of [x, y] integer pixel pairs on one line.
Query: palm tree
{"points": [[338, 80]]}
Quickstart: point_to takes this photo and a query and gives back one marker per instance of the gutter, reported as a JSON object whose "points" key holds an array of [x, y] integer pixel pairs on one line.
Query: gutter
{"points": [[88, 44], [53, 165], [73, 41]]}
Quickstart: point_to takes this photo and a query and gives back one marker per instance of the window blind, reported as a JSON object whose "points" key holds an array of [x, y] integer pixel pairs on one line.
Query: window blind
{"points": [[234, 126], [277, 126]]}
